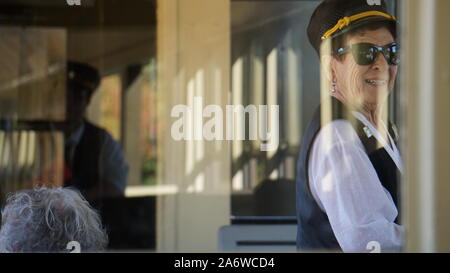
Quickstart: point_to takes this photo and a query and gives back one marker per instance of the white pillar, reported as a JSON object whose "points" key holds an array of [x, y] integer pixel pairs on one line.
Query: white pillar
{"points": [[193, 54], [425, 81]]}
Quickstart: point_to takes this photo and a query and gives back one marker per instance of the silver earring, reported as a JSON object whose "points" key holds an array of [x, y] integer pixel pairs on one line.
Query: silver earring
{"points": [[333, 87]]}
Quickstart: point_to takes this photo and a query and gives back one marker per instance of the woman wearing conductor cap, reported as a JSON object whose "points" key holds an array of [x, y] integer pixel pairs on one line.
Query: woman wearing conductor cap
{"points": [[349, 165]]}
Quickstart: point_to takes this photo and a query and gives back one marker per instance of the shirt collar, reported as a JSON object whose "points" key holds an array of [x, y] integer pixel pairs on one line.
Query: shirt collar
{"points": [[75, 137], [392, 151]]}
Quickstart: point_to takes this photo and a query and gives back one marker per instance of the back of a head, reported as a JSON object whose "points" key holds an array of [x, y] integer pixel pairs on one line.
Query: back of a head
{"points": [[46, 220]]}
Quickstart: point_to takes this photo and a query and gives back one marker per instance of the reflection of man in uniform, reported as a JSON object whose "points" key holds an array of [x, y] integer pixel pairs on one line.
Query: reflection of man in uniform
{"points": [[94, 161]]}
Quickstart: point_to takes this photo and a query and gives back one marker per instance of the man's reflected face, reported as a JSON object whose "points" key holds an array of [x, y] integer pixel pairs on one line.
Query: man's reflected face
{"points": [[76, 103]]}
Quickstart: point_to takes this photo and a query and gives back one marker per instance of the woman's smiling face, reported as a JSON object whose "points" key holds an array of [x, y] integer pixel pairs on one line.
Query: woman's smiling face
{"points": [[365, 85]]}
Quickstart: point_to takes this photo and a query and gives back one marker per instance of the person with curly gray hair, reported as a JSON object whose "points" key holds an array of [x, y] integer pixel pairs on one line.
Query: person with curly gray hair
{"points": [[48, 219]]}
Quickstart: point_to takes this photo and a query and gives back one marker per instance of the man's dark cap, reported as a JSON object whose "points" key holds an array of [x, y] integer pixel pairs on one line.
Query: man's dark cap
{"points": [[81, 76], [336, 17]]}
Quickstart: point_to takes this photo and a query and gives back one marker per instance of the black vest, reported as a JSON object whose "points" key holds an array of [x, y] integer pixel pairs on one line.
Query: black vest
{"points": [[314, 229], [85, 174]]}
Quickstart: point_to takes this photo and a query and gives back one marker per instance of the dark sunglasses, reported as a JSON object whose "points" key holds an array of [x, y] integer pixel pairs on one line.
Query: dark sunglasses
{"points": [[366, 54]]}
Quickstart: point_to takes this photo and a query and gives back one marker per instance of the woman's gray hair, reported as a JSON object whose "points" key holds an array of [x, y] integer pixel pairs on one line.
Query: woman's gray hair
{"points": [[47, 219]]}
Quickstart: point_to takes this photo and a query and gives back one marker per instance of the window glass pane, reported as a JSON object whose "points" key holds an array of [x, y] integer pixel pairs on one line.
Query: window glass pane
{"points": [[182, 122], [272, 64], [78, 108]]}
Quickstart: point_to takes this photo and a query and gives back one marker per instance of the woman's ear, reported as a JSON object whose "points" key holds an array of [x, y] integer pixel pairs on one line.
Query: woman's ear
{"points": [[328, 64]]}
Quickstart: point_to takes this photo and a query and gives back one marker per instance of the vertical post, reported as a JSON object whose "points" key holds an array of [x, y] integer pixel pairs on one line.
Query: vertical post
{"points": [[442, 130], [193, 54], [427, 131], [130, 125]]}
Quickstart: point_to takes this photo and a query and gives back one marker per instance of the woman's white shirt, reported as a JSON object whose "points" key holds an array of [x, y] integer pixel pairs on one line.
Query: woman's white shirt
{"points": [[346, 186]]}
